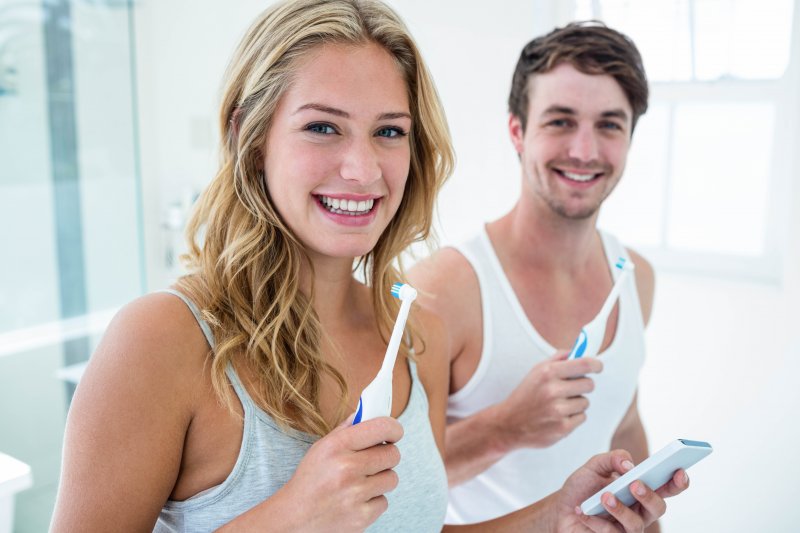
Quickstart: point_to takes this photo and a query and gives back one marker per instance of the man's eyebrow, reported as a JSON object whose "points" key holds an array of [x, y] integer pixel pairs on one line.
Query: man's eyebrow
{"points": [[344, 114], [615, 113], [564, 110], [559, 110]]}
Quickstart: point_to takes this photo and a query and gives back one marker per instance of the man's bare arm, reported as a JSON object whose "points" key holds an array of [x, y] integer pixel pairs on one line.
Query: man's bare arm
{"points": [[545, 407]]}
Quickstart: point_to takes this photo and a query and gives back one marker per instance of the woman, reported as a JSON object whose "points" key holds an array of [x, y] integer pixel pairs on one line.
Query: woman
{"points": [[223, 403]]}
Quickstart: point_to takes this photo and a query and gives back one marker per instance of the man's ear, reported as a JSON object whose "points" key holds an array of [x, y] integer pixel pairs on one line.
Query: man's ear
{"points": [[516, 132]]}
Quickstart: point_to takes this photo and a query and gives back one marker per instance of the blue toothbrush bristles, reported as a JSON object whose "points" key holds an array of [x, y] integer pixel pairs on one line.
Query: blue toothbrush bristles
{"points": [[620, 263], [396, 289]]}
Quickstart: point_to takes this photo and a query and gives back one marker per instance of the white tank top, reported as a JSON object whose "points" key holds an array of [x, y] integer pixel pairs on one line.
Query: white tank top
{"points": [[511, 347]]}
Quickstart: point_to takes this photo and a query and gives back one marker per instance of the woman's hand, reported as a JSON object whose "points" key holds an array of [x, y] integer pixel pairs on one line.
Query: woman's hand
{"points": [[340, 484], [598, 472]]}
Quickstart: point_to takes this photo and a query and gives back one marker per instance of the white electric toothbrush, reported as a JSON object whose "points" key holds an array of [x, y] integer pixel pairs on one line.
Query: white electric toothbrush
{"points": [[376, 398], [591, 336]]}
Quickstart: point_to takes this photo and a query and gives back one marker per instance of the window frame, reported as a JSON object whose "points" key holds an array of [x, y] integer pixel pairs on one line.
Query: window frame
{"points": [[769, 265]]}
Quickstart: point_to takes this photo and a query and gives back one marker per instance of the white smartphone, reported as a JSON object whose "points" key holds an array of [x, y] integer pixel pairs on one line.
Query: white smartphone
{"points": [[654, 472]]}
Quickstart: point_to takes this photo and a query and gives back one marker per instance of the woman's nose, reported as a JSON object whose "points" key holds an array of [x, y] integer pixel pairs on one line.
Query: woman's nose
{"points": [[360, 162]]}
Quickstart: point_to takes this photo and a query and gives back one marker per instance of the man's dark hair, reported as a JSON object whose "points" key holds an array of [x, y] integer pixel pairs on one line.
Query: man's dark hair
{"points": [[592, 48]]}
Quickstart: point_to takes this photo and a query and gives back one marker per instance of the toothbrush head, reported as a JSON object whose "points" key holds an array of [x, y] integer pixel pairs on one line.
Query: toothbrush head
{"points": [[623, 264], [404, 292]]}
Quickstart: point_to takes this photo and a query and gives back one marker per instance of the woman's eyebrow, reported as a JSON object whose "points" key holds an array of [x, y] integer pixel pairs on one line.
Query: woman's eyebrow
{"points": [[324, 109], [344, 114], [390, 116]]}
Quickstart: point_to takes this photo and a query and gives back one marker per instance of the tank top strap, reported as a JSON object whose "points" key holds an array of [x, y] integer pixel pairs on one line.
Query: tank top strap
{"points": [[233, 377], [613, 250], [474, 251], [247, 402], [206, 329]]}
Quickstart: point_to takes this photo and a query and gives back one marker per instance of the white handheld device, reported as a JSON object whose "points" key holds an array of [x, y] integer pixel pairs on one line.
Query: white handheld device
{"points": [[654, 472]]}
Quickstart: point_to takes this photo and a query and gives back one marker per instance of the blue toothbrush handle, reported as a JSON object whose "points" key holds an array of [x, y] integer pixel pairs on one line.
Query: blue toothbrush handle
{"points": [[359, 411], [580, 346], [375, 400]]}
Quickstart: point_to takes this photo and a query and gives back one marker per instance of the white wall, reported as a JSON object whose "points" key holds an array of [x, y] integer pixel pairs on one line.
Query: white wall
{"points": [[721, 363], [182, 51], [471, 51], [723, 366]]}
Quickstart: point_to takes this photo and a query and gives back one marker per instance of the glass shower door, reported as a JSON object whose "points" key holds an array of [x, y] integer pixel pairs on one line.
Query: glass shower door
{"points": [[70, 215]]}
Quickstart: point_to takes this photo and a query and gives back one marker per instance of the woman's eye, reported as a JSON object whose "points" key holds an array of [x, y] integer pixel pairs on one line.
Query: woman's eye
{"points": [[391, 132], [325, 129]]}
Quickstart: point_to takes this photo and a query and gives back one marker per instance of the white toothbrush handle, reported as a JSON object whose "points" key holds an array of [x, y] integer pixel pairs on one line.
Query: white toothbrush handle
{"points": [[376, 398], [591, 335], [613, 295], [397, 336]]}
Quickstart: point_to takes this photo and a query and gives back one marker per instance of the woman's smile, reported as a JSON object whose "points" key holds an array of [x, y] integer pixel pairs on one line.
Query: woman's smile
{"points": [[349, 209]]}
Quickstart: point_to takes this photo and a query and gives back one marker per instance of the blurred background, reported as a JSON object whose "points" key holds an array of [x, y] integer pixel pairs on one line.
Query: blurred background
{"points": [[108, 133]]}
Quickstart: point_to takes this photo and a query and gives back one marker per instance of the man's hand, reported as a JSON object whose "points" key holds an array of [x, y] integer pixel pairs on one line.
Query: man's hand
{"points": [[597, 473], [549, 403]]}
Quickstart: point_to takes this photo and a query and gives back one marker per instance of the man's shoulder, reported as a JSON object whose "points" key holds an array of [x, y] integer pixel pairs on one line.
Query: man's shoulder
{"points": [[645, 283], [643, 267], [442, 272], [447, 284]]}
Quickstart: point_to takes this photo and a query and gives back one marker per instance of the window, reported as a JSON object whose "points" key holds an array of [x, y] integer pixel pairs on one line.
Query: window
{"points": [[710, 159]]}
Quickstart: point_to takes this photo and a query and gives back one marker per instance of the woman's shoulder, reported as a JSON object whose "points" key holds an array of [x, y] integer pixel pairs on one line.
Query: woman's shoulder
{"points": [[154, 340], [129, 417], [157, 322]]}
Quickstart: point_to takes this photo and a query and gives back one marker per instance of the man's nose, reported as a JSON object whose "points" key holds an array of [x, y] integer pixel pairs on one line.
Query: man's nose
{"points": [[584, 145]]}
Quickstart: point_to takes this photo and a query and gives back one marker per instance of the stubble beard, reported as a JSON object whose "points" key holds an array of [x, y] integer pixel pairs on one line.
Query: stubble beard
{"points": [[561, 208], [582, 214]]}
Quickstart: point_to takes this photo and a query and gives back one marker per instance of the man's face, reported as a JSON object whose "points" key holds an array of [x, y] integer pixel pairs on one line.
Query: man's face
{"points": [[574, 147]]}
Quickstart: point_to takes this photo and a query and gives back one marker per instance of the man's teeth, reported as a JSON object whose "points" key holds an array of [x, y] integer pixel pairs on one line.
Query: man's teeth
{"points": [[578, 177], [347, 207]]}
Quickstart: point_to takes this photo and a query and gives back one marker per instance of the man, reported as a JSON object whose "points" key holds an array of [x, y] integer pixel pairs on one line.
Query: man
{"points": [[515, 297]]}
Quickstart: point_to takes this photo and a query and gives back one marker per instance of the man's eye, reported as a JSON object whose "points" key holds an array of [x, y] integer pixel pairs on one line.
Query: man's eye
{"points": [[559, 123], [610, 126], [325, 129], [391, 132]]}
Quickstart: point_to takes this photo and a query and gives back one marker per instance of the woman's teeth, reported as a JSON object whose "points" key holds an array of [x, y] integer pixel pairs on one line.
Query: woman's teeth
{"points": [[346, 207]]}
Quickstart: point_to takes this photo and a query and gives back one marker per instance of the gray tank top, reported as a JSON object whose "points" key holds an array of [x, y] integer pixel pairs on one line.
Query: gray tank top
{"points": [[269, 456]]}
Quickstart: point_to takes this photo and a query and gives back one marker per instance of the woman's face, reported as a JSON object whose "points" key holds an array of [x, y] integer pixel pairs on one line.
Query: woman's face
{"points": [[337, 154]]}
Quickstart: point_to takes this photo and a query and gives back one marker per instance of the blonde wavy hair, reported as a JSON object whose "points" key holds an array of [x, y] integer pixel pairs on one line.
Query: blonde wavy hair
{"points": [[244, 260]]}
